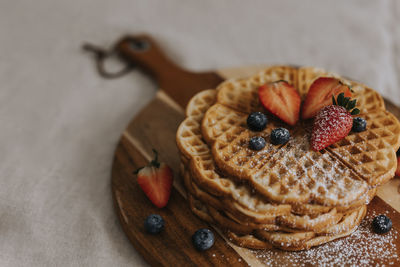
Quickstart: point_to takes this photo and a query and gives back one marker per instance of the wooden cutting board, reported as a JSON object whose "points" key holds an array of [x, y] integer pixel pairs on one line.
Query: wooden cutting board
{"points": [[155, 127]]}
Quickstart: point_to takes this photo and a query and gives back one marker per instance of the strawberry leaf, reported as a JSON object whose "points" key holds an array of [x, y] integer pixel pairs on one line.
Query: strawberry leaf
{"points": [[351, 104], [346, 101], [340, 99], [355, 111], [333, 100], [155, 162]]}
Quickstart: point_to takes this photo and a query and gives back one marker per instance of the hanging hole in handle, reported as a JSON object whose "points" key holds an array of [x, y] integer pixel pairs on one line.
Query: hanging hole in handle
{"points": [[113, 66], [138, 45], [102, 55]]}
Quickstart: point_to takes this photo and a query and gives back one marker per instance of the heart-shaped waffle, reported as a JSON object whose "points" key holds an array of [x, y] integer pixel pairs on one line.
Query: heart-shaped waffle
{"points": [[293, 173], [285, 188]]}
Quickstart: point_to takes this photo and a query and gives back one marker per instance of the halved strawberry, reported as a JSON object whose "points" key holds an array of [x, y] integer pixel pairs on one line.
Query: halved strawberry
{"points": [[398, 167], [320, 95], [281, 99], [155, 180]]}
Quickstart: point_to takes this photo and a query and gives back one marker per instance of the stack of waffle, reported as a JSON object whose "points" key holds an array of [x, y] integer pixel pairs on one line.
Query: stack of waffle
{"points": [[286, 196]]}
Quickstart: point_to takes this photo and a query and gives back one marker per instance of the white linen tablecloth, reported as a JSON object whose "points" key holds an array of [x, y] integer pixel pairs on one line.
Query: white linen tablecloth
{"points": [[60, 122]]}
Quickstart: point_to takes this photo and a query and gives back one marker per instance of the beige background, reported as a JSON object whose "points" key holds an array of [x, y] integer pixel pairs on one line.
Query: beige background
{"points": [[60, 122]]}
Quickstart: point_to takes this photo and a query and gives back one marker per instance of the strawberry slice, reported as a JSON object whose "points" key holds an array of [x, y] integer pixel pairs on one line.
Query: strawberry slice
{"points": [[320, 95], [155, 180], [398, 167], [281, 99], [333, 122]]}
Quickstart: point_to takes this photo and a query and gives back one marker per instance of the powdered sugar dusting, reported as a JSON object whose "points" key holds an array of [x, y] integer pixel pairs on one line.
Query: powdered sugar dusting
{"points": [[362, 248]]}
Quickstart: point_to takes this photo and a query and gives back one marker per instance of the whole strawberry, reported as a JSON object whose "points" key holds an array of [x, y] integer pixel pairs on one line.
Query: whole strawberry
{"points": [[333, 122], [155, 180]]}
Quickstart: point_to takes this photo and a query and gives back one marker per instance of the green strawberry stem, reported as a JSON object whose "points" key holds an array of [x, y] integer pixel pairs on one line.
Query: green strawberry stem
{"points": [[153, 163], [346, 103]]}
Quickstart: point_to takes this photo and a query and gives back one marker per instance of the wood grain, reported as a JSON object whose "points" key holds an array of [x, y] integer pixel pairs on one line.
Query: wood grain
{"points": [[173, 79], [173, 245], [155, 127]]}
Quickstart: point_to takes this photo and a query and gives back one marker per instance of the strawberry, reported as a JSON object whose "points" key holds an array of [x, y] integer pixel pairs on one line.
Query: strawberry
{"points": [[155, 180], [333, 122], [398, 167], [281, 99], [320, 94]]}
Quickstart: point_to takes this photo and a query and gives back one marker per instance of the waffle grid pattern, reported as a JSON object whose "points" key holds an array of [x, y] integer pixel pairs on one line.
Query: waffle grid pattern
{"points": [[282, 196]]}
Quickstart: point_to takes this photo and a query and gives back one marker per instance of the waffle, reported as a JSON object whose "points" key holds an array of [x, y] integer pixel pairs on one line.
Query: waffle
{"points": [[229, 140], [257, 216], [284, 194], [372, 153], [277, 237], [287, 221], [241, 94], [204, 171], [292, 173]]}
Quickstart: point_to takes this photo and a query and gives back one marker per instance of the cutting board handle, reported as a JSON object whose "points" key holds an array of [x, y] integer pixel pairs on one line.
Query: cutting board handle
{"points": [[144, 52], [177, 82]]}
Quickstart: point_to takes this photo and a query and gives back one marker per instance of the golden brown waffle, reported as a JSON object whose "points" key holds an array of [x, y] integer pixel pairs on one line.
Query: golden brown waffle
{"points": [[243, 195], [267, 219], [205, 175], [229, 139], [246, 220], [289, 192], [242, 95], [238, 136], [372, 153], [244, 205], [276, 237], [292, 173]]}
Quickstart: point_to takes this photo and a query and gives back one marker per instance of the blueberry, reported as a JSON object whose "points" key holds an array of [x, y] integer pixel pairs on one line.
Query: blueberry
{"points": [[154, 224], [257, 143], [381, 224], [359, 124], [398, 152], [279, 136], [203, 239], [257, 121]]}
